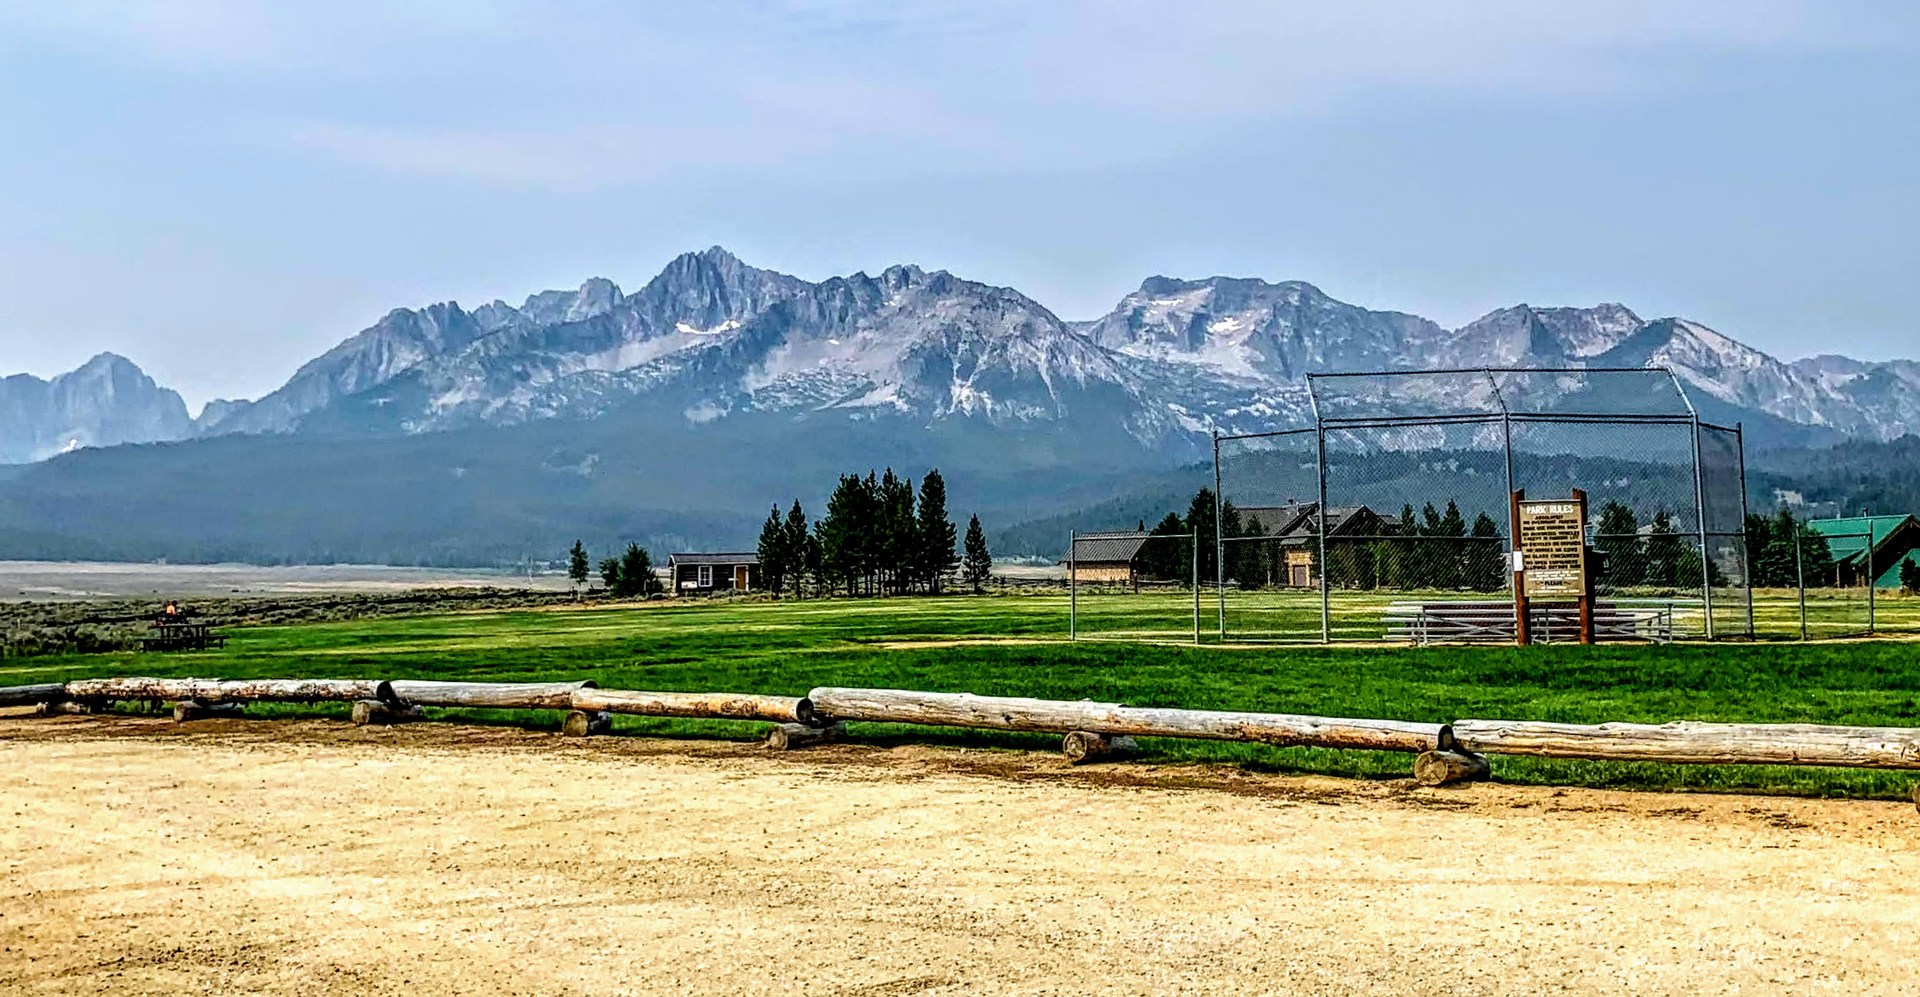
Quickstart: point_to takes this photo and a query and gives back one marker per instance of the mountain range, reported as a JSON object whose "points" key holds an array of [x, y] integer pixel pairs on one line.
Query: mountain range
{"points": [[106, 402], [717, 387]]}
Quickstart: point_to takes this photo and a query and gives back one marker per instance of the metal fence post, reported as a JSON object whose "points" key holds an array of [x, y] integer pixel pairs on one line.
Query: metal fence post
{"points": [[1506, 434], [1800, 576], [1195, 543], [1073, 592], [1219, 562], [1320, 517], [1700, 511], [1746, 559], [1873, 619]]}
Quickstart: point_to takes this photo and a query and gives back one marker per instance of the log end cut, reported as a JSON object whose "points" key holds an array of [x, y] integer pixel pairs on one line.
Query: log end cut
{"points": [[1440, 768], [375, 711], [787, 737], [1082, 747], [580, 723]]}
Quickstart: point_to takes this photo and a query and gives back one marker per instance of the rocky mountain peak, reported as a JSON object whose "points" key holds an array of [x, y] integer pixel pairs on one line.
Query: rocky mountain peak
{"points": [[106, 401], [711, 336]]}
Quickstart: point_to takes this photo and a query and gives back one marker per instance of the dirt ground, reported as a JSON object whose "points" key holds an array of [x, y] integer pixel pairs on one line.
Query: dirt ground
{"points": [[304, 857]]}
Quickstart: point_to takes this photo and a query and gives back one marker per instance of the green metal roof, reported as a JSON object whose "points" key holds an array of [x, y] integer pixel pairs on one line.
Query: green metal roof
{"points": [[1848, 539], [1890, 578]]}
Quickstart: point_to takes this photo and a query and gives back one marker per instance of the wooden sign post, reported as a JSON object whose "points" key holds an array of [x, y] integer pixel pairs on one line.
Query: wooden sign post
{"points": [[1550, 559]]}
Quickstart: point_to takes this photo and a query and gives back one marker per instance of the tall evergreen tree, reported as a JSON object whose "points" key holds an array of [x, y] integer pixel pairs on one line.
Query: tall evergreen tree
{"points": [[814, 562], [635, 573], [1164, 559], [794, 538], [977, 566], [1618, 538], [840, 535], [936, 534], [1249, 562], [1485, 563], [899, 530], [775, 559], [1201, 513], [578, 567], [869, 542], [1816, 558], [1665, 552]]}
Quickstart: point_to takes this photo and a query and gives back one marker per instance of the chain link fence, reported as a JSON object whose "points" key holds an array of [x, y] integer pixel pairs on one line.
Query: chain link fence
{"points": [[1134, 586], [1394, 507]]}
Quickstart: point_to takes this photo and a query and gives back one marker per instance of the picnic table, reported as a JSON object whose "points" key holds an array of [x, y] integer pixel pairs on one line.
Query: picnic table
{"points": [[173, 631]]}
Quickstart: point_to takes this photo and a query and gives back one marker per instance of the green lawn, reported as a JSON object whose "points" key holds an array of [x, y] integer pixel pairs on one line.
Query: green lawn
{"points": [[788, 648]]}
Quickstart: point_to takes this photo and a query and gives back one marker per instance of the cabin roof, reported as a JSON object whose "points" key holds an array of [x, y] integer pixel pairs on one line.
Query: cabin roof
{"points": [[1107, 548], [724, 558]]}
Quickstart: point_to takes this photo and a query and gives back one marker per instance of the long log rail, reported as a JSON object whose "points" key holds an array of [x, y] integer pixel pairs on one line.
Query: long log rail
{"points": [[1048, 716], [1684, 743], [1454, 747]]}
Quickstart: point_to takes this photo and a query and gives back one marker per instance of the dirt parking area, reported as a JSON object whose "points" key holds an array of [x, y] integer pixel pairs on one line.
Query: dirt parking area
{"points": [[305, 857]]}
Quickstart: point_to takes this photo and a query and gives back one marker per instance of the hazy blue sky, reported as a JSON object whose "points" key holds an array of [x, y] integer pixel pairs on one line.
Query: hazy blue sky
{"points": [[221, 189]]}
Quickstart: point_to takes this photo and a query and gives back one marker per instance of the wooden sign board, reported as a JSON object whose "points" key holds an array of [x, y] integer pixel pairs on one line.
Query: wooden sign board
{"points": [[1553, 547]]}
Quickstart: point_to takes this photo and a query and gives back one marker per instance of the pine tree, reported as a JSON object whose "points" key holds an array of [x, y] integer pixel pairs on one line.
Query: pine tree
{"points": [[900, 551], [977, 566], [868, 542], [842, 556], [1201, 513], [1910, 575], [1816, 558], [578, 567], [1246, 558], [636, 573], [610, 574], [1618, 539], [1485, 567], [774, 558], [812, 561], [1664, 553], [936, 534], [1162, 559], [795, 540]]}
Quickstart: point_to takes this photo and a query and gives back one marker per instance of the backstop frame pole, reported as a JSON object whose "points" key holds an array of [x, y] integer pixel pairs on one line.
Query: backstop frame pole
{"points": [[1219, 562], [1800, 576], [1195, 543], [1320, 510], [1746, 567]]}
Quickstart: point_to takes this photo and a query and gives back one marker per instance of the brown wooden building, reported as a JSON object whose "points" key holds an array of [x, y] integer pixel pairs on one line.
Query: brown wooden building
{"points": [[1296, 529], [1105, 558], [700, 574]]}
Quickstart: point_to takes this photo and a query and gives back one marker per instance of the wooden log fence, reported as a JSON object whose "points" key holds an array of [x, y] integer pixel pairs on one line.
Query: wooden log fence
{"points": [[708, 705], [1447, 752], [489, 695], [1047, 716], [32, 695], [1685, 743], [229, 690]]}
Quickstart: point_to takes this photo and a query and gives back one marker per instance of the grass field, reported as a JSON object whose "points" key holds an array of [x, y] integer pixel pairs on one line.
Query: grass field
{"points": [[1013, 645]]}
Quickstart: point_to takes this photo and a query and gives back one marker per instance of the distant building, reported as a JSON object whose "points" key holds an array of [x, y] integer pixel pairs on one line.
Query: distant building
{"points": [[1297, 530], [1105, 558], [1870, 548], [697, 574]]}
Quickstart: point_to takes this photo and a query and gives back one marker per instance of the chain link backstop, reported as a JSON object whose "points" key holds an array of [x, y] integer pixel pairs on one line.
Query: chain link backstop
{"points": [[1393, 506]]}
